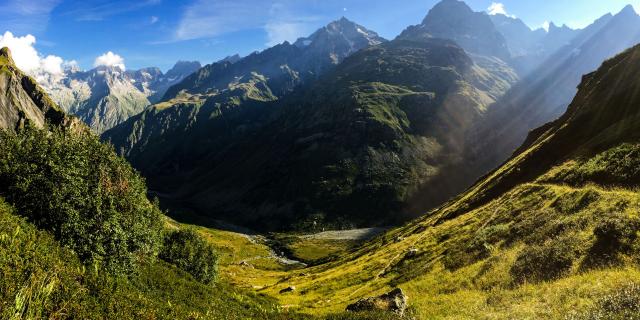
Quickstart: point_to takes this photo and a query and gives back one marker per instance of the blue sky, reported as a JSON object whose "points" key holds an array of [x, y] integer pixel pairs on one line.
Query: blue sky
{"points": [[160, 32]]}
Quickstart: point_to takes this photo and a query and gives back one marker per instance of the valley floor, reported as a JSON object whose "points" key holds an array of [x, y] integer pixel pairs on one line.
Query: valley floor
{"points": [[466, 268]]}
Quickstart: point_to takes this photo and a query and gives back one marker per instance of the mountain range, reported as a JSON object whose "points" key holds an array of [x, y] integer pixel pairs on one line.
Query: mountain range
{"points": [[556, 220], [314, 141], [499, 164], [107, 95], [545, 94], [268, 141]]}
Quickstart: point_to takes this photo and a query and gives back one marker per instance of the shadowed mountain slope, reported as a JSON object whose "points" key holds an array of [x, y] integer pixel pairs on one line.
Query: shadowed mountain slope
{"points": [[355, 147], [533, 239], [543, 95]]}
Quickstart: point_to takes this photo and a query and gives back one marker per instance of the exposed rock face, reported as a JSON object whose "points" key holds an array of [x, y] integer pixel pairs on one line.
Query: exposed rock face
{"points": [[107, 96], [23, 102], [454, 20], [529, 48], [285, 66], [288, 289], [159, 83], [394, 301]]}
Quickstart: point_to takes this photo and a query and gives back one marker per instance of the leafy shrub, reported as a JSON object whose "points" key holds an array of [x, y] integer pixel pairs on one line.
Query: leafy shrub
{"points": [[614, 235], [79, 189], [544, 262], [190, 252], [39, 279], [527, 227], [471, 250], [573, 202], [619, 165]]}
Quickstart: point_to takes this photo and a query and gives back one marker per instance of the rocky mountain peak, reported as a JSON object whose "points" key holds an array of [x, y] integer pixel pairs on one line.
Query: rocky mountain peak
{"points": [[555, 28], [183, 69], [340, 31], [448, 7], [22, 100], [455, 20], [628, 10], [6, 54], [232, 59]]}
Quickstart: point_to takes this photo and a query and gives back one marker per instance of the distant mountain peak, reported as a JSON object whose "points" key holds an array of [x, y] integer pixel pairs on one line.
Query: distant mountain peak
{"points": [[628, 9], [448, 6], [232, 59], [6, 53], [474, 31], [183, 68], [555, 28], [341, 30]]}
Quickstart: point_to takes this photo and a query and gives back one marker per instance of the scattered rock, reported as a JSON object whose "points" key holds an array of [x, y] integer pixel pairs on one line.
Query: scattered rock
{"points": [[395, 301], [245, 264], [288, 289], [413, 252]]}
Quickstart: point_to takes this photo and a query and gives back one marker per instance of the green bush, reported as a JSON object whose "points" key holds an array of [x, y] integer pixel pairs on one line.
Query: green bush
{"points": [[548, 261], [77, 188], [617, 166], [614, 235], [190, 252], [39, 279]]}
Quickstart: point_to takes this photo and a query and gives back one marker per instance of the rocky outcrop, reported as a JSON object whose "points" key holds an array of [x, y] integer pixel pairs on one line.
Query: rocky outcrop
{"points": [[23, 102], [285, 65], [394, 301], [107, 96], [455, 20], [288, 289]]}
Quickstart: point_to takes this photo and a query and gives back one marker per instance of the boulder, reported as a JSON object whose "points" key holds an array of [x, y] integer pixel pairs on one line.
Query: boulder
{"points": [[412, 253], [288, 289], [394, 301]]}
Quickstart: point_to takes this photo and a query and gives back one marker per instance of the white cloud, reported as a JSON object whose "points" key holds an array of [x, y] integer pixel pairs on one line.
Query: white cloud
{"points": [[211, 18], [110, 59], [71, 65], [100, 10], [279, 32], [280, 19], [23, 17], [498, 8], [52, 64], [29, 60], [24, 54], [154, 19], [546, 25]]}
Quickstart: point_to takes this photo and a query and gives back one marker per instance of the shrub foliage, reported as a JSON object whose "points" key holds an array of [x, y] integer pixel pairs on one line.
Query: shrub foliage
{"points": [[76, 187], [190, 252], [548, 261]]}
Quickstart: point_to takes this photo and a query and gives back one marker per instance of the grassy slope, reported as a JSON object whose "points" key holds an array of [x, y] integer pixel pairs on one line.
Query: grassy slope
{"points": [[41, 279], [553, 233], [463, 269]]}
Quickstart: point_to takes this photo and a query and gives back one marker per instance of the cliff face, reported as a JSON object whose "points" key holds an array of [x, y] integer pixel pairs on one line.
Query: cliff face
{"points": [[23, 102]]}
